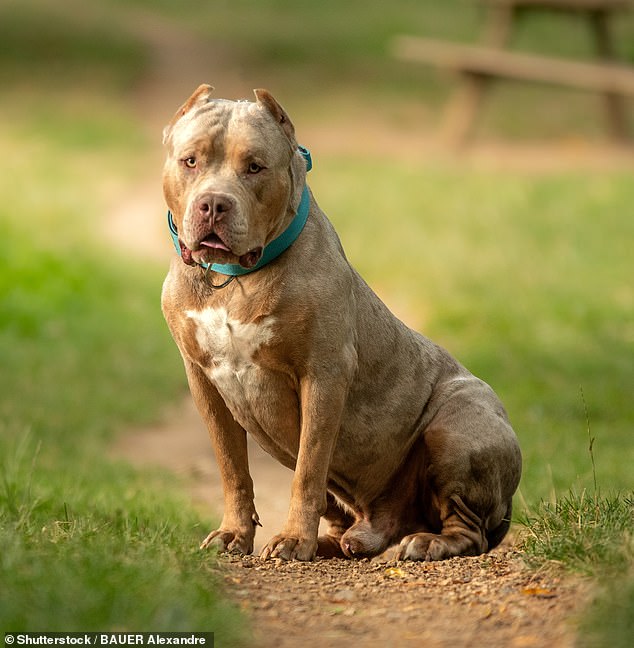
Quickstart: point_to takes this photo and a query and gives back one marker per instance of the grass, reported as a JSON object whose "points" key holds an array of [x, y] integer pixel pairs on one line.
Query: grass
{"points": [[104, 539], [585, 533], [526, 278], [88, 544], [62, 300], [589, 535]]}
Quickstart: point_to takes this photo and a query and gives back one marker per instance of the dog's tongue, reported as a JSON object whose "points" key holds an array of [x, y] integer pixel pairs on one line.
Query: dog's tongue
{"points": [[251, 258], [215, 242]]}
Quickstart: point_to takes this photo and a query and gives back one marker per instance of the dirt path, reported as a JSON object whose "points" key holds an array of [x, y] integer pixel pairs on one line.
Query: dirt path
{"points": [[492, 600], [487, 601]]}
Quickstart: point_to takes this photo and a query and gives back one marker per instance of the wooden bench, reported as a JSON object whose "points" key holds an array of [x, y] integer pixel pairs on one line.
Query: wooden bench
{"points": [[478, 64]]}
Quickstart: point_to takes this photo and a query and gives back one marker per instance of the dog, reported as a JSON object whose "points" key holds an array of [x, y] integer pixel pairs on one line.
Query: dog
{"points": [[391, 439]]}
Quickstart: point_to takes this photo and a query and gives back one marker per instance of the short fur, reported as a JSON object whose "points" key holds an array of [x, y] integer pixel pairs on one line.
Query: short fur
{"points": [[391, 439]]}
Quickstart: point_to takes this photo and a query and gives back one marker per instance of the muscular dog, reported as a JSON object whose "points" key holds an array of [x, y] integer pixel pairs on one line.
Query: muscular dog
{"points": [[390, 438]]}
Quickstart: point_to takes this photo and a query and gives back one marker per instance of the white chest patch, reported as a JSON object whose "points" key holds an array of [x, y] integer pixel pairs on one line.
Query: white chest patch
{"points": [[231, 343], [249, 387]]}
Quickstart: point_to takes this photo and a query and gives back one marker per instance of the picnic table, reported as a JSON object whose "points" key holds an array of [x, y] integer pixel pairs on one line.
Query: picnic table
{"points": [[479, 64]]}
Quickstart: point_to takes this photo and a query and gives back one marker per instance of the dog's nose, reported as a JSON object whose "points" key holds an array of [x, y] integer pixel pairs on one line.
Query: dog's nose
{"points": [[214, 205]]}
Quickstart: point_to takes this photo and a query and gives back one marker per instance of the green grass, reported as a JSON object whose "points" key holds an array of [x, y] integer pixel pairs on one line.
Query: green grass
{"points": [[97, 546], [588, 534], [87, 543]]}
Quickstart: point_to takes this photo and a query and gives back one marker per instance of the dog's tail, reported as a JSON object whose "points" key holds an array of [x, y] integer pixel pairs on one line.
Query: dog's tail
{"points": [[495, 536]]}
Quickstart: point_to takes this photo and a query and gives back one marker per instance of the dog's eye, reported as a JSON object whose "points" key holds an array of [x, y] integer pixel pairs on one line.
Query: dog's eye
{"points": [[190, 162], [254, 167]]}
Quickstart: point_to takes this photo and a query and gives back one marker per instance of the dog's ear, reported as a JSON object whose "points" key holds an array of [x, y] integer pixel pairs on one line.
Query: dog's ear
{"points": [[266, 99], [201, 95]]}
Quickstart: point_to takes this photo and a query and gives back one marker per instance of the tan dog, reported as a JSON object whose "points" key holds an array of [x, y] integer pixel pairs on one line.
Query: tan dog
{"points": [[390, 438]]}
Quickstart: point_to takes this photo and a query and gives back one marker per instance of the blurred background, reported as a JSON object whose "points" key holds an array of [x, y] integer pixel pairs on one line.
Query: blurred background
{"points": [[514, 252]]}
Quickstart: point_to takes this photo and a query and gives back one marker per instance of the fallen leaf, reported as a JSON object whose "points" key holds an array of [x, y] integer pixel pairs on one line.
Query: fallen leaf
{"points": [[395, 572], [524, 641], [539, 592]]}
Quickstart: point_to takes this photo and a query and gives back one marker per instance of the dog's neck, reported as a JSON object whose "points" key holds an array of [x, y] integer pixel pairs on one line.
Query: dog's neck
{"points": [[273, 249]]}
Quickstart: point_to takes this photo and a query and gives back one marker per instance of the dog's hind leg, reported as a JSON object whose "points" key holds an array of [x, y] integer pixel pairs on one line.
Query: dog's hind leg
{"points": [[471, 469], [461, 535], [329, 545]]}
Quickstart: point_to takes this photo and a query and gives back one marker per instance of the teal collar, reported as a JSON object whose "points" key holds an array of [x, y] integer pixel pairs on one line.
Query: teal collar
{"points": [[274, 248]]}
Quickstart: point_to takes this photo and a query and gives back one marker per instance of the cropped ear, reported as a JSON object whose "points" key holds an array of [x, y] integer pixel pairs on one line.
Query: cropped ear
{"points": [[266, 99], [201, 96]]}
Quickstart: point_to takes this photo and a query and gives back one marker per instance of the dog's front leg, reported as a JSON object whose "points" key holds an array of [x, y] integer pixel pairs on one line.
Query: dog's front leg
{"points": [[322, 404], [237, 529]]}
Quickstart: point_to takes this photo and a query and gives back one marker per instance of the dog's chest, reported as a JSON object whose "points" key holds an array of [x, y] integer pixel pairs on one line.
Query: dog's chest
{"points": [[232, 347]]}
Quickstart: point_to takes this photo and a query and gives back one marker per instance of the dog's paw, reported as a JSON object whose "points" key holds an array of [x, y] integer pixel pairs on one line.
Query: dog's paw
{"points": [[289, 548], [431, 546], [422, 546], [231, 541]]}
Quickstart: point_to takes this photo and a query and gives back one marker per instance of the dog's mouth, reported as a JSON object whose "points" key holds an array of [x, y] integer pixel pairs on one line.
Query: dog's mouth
{"points": [[214, 242], [219, 252], [212, 249]]}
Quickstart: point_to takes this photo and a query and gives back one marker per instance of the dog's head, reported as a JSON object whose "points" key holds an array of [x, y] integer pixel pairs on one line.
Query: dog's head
{"points": [[233, 177]]}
